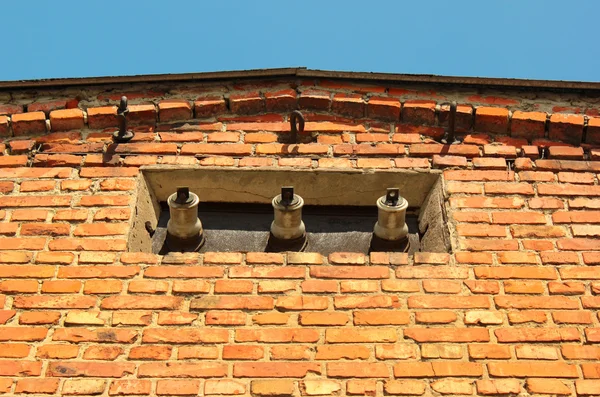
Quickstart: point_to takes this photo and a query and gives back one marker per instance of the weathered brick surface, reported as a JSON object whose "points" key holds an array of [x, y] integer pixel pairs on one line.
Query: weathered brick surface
{"points": [[513, 310]]}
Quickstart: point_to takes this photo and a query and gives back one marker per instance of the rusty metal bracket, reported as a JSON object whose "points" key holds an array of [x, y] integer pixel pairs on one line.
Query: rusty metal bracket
{"points": [[296, 125], [123, 135], [449, 137]]}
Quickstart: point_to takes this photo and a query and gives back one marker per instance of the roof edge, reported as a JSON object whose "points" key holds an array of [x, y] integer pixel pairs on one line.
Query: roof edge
{"points": [[507, 83]]}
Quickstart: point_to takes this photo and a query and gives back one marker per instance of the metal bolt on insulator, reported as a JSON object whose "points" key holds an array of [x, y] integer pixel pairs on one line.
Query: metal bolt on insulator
{"points": [[184, 229]]}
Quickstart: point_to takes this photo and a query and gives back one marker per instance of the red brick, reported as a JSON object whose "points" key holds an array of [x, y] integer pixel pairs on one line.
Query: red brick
{"points": [[565, 152], [5, 188], [350, 272], [381, 317], [30, 123], [173, 109], [172, 271], [315, 100], [178, 387], [142, 114], [4, 129], [350, 105], [234, 149], [115, 335], [312, 319], [487, 202], [537, 335], [209, 106], [437, 369], [450, 386], [489, 245], [547, 386], [23, 333], [141, 302], [302, 303], [20, 368], [394, 387], [491, 120], [591, 258], [489, 163], [460, 175], [435, 317], [279, 369], [503, 151], [516, 272], [566, 128], [277, 335], [61, 286], [418, 112], [32, 318], [294, 162], [108, 353], [526, 231], [183, 335], [37, 386], [102, 117], [449, 161], [357, 370], [507, 218], [223, 386], [545, 203], [530, 125], [243, 352], [66, 119], [587, 387], [42, 229], [130, 387], [214, 317], [232, 302], [448, 302], [13, 161], [281, 101], [8, 229], [223, 137], [521, 317], [498, 386], [442, 286], [150, 353], [24, 271], [87, 244], [384, 108], [54, 302], [14, 350], [591, 370], [447, 334], [489, 351], [428, 150], [22, 146], [533, 369], [248, 103], [91, 369], [27, 172]]}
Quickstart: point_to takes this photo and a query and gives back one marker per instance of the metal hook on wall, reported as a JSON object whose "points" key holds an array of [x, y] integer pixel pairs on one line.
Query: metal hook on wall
{"points": [[123, 135], [296, 125], [449, 137]]}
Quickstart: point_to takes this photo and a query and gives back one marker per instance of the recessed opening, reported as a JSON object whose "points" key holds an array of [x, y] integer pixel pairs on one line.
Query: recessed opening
{"points": [[340, 208]]}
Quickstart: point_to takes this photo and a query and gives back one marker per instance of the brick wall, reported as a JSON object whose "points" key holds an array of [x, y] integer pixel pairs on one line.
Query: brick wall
{"points": [[514, 308]]}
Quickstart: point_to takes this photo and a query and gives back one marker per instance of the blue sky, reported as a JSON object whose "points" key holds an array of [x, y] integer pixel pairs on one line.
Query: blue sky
{"points": [[537, 39]]}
